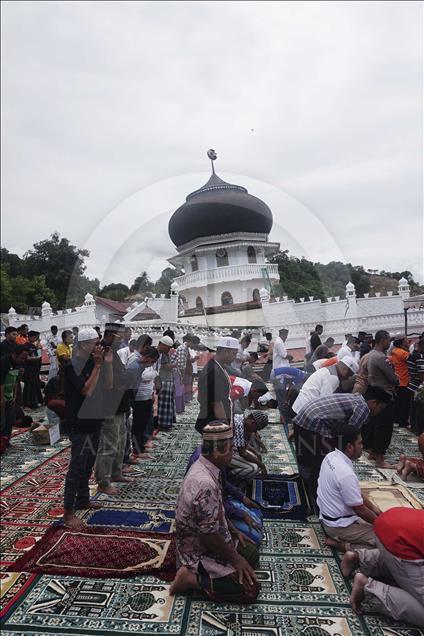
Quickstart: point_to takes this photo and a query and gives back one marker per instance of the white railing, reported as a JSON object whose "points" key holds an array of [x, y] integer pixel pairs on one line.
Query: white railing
{"points": [[244, 271]]}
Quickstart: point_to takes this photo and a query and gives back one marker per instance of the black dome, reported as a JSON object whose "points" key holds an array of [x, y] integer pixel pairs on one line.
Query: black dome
{"points": [[218, 208]]}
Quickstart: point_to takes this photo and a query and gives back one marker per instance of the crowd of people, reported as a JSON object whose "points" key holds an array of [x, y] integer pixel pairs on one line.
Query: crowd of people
{"points": [[111, 393]]}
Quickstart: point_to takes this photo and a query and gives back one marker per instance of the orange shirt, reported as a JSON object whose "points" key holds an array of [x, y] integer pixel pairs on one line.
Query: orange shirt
{"points": [[398, 359], [21, 339]]}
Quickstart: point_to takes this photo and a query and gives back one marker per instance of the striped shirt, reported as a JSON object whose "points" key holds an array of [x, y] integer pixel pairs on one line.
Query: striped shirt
{"points": [[415, 367], [342, 408]]}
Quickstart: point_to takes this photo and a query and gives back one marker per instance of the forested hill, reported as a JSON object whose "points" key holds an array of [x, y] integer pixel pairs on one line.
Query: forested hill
{"points": [[54, 270]]}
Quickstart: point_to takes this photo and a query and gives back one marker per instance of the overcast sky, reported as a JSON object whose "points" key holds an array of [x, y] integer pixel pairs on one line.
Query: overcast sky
{"points": [[108, 109]]}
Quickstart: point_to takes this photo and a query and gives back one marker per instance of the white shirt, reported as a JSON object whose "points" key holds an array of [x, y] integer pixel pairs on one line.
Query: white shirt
{"points": [[338, 490], [124, 354], [145, 388], [279, 356], [320, 384], [347, 351], [193, 354], [52, 340], [308, 345]]}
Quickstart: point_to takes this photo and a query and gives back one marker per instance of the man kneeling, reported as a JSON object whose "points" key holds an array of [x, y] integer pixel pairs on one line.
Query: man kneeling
{"points": [[207, 556]]}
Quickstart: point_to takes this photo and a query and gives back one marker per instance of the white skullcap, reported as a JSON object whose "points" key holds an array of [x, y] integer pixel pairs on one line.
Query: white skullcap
{"points": [[228, 343], [87, 333], [350, 363]]}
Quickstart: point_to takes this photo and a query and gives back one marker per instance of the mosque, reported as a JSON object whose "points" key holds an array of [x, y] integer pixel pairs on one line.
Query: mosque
{"points": [[221, 236]]}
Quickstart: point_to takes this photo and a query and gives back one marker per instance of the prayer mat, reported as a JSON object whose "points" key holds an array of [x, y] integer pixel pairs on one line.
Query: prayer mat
{"points": [[290, 538], [387, 496], [413, 480], [13, 586], [281, 497], [101, 553], [208, 619], [153, 520]]}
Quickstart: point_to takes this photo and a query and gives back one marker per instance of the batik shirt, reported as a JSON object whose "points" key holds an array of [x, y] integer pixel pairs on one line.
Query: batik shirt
{"points": [[239, 437], [200, 510]]}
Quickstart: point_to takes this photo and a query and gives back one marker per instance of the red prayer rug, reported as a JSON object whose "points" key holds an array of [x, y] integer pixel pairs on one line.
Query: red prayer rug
{"points": [[98, 552]]}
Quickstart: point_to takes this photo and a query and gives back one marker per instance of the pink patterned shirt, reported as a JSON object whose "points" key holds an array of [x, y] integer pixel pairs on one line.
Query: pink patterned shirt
{"points": [[200, 510]]}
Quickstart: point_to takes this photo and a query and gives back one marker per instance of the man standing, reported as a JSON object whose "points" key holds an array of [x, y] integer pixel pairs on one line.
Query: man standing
{"points": [[9, 374], [416, 379], [214, 385], [52, 341], [113, 436], [316, 337], [182, 359], [87, 376], [345, 513], [325, 381], [377, 434], [208, 557], [166, 398], [399, 359], [9, 342], [314, 423], [280, 356]]}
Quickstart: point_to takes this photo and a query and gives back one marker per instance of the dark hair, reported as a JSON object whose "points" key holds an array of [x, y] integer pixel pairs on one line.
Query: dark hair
{"points": [[378, 394], [75, 329], [259, 385], [318, 327], [53, 327], [398, 342], [32, 334], [209, 445], [344, 434], [151, 352], [66, 333], [170, 333], [22, 327], [381, 335], [253, 355], [9, 330], [144, 340], [195, 340], [268, 335], [188, 337]]}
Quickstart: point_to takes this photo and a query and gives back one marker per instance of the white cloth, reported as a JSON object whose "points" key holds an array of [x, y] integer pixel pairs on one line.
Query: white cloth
{"points": [[124, 354], [279, 358], [145, 388], [320, 384], [338, 490], [347, 351], [242, 356], [246, 385], [318, 363], [308, 345], [193, 354]]}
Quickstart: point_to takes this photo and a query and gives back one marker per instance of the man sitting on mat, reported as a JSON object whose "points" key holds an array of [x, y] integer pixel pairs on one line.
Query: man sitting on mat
{"points": [[209, 557], [247, 463], [415, 465], [345, 513]]}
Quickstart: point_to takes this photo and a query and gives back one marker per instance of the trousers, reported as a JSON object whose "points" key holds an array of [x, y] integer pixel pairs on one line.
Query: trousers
{"points": [[83, 456], [403, 601], [110, 456], [359, 534]]}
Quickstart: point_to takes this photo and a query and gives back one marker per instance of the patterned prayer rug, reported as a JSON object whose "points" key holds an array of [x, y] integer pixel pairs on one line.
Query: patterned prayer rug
{"points": [[101, 552], [281, 497], [148, 520]]}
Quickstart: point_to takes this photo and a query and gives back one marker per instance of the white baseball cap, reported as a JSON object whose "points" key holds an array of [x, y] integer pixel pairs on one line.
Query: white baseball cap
{"points": [[350, 363], [87, 333], [228, 343]]}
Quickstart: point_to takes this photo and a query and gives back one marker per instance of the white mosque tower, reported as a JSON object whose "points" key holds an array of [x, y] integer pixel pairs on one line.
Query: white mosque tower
{"points": [[221, 235]]}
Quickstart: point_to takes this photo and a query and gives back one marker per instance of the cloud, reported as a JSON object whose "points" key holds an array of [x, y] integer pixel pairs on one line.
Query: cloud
{"points": [[103, 100]]}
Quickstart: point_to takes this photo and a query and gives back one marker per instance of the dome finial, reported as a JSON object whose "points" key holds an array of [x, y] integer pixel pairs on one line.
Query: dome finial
{"points": [[212, 156]]}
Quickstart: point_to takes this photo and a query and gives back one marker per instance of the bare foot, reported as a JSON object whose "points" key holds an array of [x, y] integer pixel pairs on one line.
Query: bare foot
{"points": [[349, 563], [333, 543], [120, 479], [108, 490], [127, 468], [381, 463], [70, 520], [145, 456], [357, 596], [400, 465], [185, 580]]}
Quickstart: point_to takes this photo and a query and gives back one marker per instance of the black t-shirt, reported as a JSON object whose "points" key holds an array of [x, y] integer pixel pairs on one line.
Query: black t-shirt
{"points": [[315, 341], [117, 399], [6, 348], [83, 412], [214, 386]]}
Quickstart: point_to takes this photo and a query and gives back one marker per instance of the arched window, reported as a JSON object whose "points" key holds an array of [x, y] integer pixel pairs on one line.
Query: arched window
{"points": [[251, 254], [221, 257], [194, 264], [226, 299], [199, 303], [256, 295]]}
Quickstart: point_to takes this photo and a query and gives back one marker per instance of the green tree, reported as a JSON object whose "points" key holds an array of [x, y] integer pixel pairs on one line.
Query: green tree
{"points": [[60, 262], [163, 284], [115, 291], [142, 284]]}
